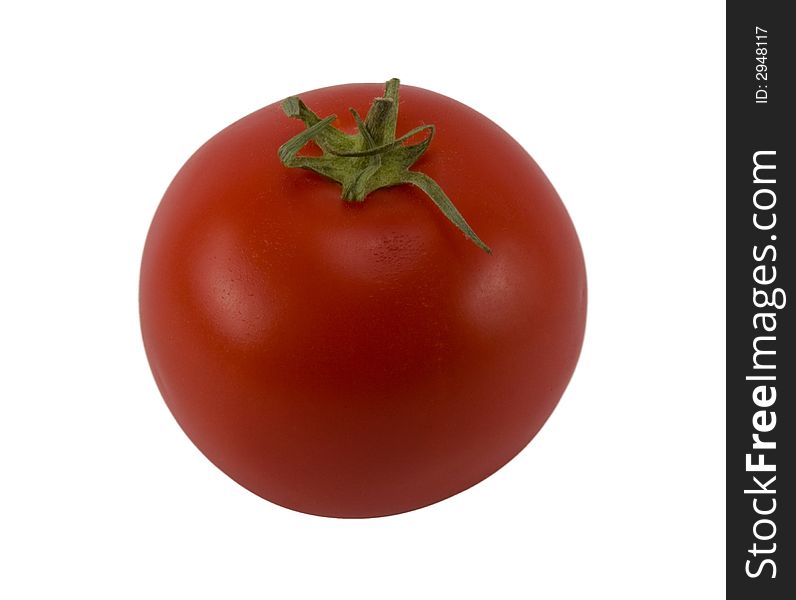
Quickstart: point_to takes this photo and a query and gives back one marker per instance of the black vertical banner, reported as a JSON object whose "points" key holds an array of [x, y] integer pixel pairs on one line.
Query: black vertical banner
{"points": [[761, 227]]}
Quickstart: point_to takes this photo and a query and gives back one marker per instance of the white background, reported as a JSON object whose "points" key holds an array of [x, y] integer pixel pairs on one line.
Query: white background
{"points": [[622, 493]]}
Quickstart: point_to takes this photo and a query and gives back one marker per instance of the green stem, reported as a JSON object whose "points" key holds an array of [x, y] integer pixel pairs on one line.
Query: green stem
{"points": [[370, 159]]}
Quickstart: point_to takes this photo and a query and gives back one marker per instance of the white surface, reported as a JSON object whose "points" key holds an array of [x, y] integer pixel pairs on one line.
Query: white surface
{"points": [[622, 493]]}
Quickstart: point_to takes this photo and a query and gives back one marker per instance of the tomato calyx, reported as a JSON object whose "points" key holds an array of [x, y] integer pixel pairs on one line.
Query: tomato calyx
{"points": [[370, 159]]}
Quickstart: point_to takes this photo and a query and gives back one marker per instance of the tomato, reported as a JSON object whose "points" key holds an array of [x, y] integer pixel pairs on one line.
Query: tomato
{"points": [[361, 358]]}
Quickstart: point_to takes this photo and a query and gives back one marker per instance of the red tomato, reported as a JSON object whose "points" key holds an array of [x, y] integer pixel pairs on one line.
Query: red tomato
{"points": [[360, 359]]}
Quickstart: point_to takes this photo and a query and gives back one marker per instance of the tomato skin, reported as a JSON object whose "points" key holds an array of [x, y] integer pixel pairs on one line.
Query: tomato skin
{"points": [[360, 359]]}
